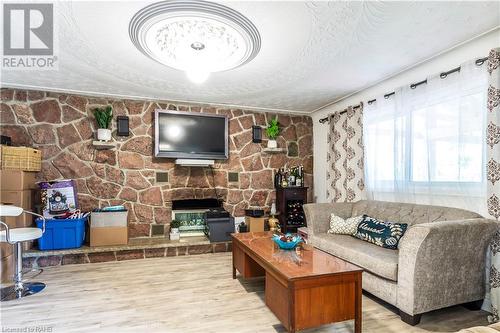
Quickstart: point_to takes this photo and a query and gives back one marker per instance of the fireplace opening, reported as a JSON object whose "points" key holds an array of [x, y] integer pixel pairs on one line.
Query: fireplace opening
{"points": [[190, 213]]}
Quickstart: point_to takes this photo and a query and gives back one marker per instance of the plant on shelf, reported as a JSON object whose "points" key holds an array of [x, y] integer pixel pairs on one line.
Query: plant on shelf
{"points": [[272, 131], [174, 226], [174, 229], [103, 117]]}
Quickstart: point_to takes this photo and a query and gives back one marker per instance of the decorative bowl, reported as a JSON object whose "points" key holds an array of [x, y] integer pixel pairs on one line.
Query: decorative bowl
{"points": [[290, 245]]}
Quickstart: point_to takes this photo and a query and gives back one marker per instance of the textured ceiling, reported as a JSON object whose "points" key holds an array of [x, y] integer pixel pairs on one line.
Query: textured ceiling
{"points": [[312, 52]]}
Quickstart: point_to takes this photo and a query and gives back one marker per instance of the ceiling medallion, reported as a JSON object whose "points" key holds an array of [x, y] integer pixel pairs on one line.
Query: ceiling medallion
{"points": [[197, 37]]}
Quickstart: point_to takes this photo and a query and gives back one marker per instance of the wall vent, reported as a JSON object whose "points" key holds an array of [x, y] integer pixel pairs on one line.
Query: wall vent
{"points": [[233, 177], [162, 177], [157, 229]]}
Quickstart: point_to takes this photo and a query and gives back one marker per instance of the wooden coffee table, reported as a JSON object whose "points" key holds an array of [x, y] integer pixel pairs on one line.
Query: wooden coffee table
{"points": [[305, 288]]}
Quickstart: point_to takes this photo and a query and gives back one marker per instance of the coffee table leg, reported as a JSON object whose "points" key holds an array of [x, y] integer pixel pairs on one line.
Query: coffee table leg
{"points": [[357, 305], [234, 272]]}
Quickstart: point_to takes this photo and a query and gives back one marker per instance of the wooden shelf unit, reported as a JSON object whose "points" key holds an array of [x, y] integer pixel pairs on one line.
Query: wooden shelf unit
{"points": [[287, 197], [274, 150], [100, 145]]}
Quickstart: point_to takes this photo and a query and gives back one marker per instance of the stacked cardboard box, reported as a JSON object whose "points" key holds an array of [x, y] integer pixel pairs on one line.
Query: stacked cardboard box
{"points": [[16, 188], [255, 224], [108, 228]]}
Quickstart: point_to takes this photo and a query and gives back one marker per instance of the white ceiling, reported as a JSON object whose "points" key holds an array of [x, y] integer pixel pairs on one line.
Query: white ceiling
{"points": [[312, 52]]}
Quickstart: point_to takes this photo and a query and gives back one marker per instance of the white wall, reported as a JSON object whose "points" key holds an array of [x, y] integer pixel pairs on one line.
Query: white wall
{"points": [[476, 48]]}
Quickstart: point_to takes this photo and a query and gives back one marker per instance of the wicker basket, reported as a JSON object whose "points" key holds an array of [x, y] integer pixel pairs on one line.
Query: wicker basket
{"points": [[20, 158]]}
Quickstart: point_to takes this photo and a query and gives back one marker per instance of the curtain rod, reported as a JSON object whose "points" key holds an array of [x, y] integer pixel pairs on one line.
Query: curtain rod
{"points": [[324, 120], [443, 75]]}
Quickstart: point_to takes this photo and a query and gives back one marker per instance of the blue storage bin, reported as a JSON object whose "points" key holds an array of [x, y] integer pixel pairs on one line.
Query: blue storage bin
{"points": [[62, 233]]}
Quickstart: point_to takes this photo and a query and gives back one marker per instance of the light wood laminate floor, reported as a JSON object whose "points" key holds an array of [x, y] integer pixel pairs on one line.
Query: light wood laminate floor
{"points": [[182, 295]]}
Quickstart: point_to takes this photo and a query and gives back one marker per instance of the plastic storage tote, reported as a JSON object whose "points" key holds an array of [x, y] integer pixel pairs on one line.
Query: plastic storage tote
{"points": [[62, 233]]}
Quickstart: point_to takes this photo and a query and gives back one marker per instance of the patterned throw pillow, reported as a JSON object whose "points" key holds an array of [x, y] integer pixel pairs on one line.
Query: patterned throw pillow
{"points": [[342, 226], [385, 234]]}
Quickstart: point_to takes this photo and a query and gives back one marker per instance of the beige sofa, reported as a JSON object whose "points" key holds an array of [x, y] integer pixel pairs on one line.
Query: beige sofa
{"points": [[440, 260]]}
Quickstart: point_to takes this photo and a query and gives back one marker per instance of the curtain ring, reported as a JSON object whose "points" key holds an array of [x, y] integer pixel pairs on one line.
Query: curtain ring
{"points": [[413, 86], [443, 75], [479, 62]]}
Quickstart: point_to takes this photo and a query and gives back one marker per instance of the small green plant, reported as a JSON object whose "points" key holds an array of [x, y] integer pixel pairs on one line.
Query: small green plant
{"points": [[273, 129], [103, 116], [175, 224]]}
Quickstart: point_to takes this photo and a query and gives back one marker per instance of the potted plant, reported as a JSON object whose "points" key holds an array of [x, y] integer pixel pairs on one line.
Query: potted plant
{"points": [[272, 131], [103, 118], [174, 229]]}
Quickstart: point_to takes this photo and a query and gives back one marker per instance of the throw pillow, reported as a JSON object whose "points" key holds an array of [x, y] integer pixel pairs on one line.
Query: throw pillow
{"points": [[381, 233], [342, 226]]}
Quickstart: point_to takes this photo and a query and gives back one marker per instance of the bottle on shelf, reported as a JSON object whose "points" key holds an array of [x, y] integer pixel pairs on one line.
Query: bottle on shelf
{"points": [[299, 180], [284, 178], [291, 177], [277, 178]]}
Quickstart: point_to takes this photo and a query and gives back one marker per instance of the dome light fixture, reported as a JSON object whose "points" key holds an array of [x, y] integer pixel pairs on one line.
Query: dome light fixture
{"points": [[197, 37]]}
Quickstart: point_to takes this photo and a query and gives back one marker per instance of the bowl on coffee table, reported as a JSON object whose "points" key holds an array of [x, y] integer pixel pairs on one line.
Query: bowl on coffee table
{"points": [[287, 241]]}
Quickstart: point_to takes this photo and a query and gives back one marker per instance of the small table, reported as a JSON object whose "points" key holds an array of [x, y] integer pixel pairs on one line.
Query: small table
{"points": [[305, 288]]}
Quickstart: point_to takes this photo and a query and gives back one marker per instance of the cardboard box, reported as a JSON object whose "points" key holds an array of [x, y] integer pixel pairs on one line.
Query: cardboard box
{"points": [[255, 224], [108, 236], [7, 249], [23, 199], [108, 228], [15, 180]]}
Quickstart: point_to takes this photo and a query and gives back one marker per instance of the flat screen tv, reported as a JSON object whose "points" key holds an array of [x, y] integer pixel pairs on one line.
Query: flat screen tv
{"points": [[191, 135]]}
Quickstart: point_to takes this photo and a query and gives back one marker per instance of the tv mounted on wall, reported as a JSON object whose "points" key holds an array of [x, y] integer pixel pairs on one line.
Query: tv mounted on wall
{"points": [[189, 135]]}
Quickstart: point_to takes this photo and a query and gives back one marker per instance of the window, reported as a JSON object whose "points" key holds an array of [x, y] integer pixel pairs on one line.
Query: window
{"points": [[426, 145]]}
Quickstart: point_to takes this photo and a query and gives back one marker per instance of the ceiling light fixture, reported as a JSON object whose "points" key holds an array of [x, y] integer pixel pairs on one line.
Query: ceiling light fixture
{"points": [[197, 37]]}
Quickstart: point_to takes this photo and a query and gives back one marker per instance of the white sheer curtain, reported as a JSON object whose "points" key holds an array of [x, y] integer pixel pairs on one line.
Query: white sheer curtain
{"points": [[426, 145]]}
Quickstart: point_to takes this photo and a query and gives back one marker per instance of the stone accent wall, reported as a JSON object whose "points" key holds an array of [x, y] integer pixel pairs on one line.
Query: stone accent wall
{"points": [[63, 127]]}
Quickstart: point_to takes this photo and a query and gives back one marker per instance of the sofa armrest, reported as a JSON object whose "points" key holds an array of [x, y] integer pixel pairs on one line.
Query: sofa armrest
{"points": [[442, 264], [318, 215]]}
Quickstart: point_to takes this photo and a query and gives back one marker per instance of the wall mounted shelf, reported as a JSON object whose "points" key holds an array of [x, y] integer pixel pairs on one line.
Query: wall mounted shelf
{"points": [[274, 150], [101, 145]]}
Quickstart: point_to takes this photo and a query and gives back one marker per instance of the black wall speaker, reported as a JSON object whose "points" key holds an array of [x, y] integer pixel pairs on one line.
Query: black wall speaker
{"points": [[256, 134], [122, 126]]}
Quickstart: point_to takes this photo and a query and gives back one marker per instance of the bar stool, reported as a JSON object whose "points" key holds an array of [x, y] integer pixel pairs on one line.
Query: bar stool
{"points": [[16, 236]]}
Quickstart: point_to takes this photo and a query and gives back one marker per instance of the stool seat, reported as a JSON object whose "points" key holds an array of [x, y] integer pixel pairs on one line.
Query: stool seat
{"points": [[21, 234]]}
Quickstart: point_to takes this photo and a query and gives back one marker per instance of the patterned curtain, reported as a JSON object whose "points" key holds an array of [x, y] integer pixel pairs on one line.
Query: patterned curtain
{"points": [[493, 172], [493, 134], [345, 159]]}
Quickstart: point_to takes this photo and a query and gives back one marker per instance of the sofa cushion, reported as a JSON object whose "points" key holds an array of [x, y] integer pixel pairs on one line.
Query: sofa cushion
{"points": [[342, 226], [375, 259], [380, 233]]}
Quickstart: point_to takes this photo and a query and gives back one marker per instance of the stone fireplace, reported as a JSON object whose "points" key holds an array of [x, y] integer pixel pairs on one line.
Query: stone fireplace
{"points": [[62, 127]]}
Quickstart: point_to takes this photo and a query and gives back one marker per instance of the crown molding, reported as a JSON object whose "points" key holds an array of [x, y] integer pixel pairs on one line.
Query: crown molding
{"points": [[150, 98]]}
